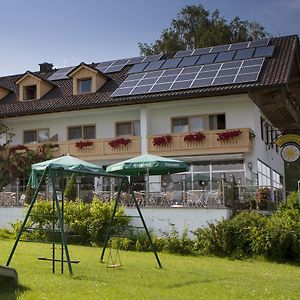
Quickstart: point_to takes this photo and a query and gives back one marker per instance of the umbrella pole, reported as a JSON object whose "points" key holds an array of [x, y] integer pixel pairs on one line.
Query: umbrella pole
{"points": [[143, 221], [111, 220], [25, 220], [147, 187]]}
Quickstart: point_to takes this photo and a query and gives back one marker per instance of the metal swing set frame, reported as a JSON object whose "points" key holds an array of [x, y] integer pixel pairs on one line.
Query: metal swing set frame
{"points": [[52, 172]]}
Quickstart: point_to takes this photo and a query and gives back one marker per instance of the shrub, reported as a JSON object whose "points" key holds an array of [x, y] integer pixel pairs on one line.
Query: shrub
{"points": [[283, 232], [87, 223], [242, 236], [70, 191]]}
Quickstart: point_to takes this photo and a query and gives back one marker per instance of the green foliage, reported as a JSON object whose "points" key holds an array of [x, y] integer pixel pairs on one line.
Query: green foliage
{"points": [[87, 222], [70, 191], [196, 27], [283, 232], [292, 175], [6, 233], [240, 237]]}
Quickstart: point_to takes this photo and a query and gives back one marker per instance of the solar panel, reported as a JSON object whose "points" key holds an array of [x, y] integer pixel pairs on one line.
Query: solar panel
{"points": [[188, 61], [171, 63], [153, 57], [183, 53], [154, 65], [191, 77], [225, 56], [264, 51], [202, 51], [220, 48], [61, 74], [206, 59], [239, 46], [244, 54], [259, 43], [137, 68]]}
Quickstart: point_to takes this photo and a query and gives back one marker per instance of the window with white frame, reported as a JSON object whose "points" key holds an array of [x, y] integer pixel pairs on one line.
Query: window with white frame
{"points": [[36, 136], [264, 174], [130, 128], [82, 132]]}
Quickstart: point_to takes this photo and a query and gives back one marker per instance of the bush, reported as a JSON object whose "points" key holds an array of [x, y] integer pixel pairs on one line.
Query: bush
{"points": [[283, 232], [70, 191], [242, 236], [87, 223]]}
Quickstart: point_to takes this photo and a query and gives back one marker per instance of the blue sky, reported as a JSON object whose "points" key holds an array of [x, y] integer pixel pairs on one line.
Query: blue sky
{"points": [[66, 32]]}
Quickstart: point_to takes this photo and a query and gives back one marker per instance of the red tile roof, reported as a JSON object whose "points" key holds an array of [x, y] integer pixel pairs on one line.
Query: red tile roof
{"points": [[275, 72]]}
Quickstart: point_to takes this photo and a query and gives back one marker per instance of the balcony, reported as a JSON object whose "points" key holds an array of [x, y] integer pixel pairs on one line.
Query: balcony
{"points": [[209, 145], [99, 150]]}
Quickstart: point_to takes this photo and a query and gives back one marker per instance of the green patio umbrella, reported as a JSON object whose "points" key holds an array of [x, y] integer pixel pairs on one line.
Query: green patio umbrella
{"points": [[148, 164], [64, 163]]}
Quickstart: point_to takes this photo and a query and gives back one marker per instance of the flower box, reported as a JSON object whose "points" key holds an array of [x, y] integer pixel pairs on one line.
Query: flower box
{"points": [[83, 144], [162, 141], [228, 135], [194, 137], [121, 142]]}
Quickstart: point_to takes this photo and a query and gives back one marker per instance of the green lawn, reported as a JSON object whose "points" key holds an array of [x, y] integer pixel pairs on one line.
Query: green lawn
{"points": [[182, 277]]}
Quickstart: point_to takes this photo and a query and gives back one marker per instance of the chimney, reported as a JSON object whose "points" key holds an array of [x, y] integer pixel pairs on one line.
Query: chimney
{"points": [[45, 67]]}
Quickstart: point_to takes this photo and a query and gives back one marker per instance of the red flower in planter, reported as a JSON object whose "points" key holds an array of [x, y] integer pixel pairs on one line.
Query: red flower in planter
{"points": [[194, 137], [161, 141], [119, 142], [82, 144], [228, 135]]}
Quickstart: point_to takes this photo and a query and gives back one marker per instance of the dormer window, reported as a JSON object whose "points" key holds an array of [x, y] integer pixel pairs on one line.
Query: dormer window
{"points": [[86, 79], [29, 92], [32, 86], [84, 85]]}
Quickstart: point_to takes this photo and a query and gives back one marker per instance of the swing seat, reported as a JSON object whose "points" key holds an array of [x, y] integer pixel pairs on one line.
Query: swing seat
{"points": [[114, 266], [8, 276]]}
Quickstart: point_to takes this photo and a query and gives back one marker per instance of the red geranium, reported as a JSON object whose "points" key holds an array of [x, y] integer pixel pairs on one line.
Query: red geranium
{"points": [[228, 135], [119, 142], [82, 144], [162, 140], [194, 137]]}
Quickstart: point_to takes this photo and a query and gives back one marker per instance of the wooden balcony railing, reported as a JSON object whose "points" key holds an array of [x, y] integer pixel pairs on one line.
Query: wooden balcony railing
{"points": [[209, 145], [100, 150]]}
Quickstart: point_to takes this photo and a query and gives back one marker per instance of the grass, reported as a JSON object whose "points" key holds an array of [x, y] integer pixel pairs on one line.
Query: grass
{"points": [[139, 278]]}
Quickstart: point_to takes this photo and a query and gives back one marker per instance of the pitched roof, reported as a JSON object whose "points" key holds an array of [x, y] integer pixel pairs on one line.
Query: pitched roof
{"points": [[275, 73]]}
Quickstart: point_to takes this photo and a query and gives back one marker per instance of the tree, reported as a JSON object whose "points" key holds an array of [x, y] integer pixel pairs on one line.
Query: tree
{"points": [[196, 27], [70, 191]]}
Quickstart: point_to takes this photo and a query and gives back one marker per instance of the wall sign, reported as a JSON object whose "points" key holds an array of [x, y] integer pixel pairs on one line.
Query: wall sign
{"points": [[290, 147]]}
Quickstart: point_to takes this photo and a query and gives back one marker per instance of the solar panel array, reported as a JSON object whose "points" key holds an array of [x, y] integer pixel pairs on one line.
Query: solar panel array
{"points": [[118, 65], [109, 66], [191, 77], [190, 59]]}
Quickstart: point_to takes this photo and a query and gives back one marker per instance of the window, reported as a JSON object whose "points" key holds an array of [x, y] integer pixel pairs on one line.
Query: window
{"points": [[29, 92], [84, 85], [217, 122], [188, 124], [36, 136], [82, 132], [264, 174], [128, 128]]}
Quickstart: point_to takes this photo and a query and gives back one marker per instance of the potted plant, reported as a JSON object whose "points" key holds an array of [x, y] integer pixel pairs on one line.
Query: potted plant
{"points": [[120, 142], [194, 137], [228, 135], [162, 141], [83, 144]]}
